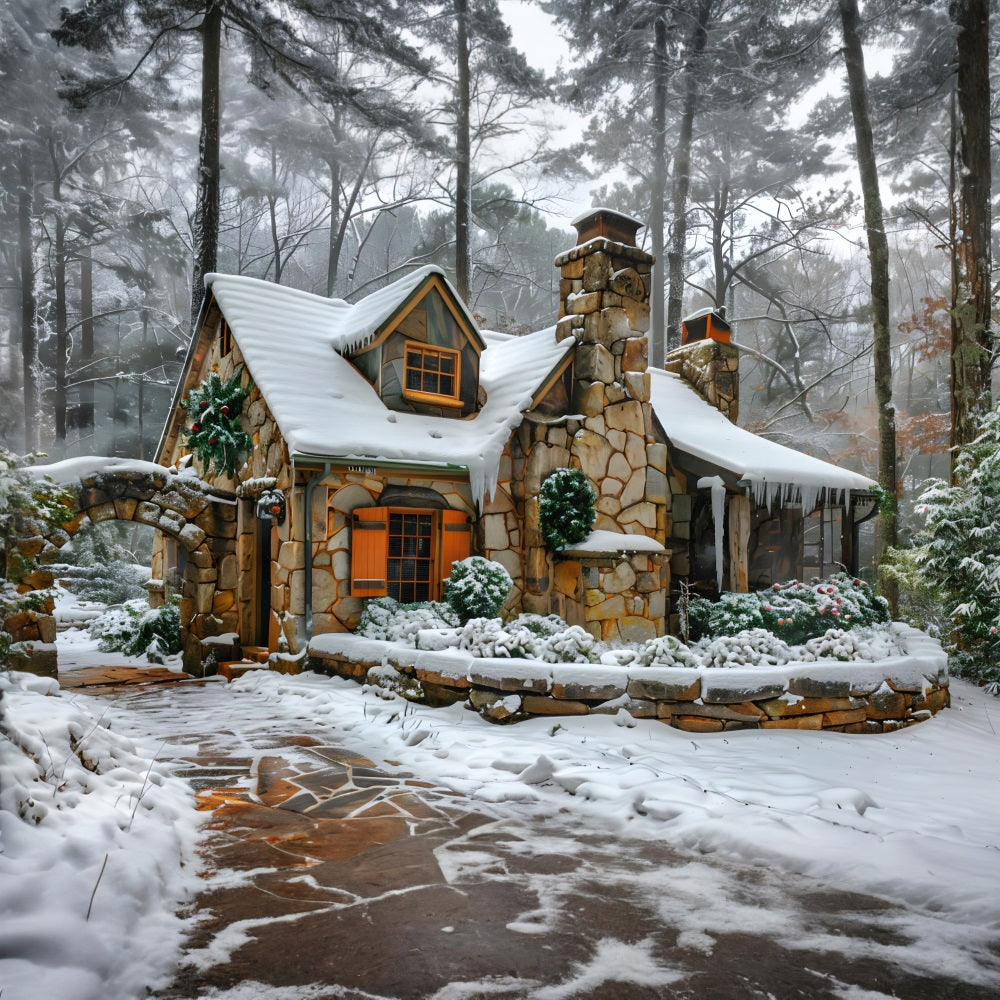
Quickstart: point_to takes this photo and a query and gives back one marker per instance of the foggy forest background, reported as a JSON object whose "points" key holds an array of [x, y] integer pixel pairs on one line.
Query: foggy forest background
{"points": [[358, 139]]}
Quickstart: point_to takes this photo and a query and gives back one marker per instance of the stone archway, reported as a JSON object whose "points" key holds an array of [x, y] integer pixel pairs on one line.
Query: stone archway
{"points": [[200, 518]]}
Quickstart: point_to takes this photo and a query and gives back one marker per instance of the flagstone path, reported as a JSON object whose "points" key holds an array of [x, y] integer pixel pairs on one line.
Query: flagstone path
{"points": [[328, 876]]}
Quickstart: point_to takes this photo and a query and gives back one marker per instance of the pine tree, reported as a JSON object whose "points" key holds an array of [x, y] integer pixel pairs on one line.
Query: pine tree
{"points": [[294, 49], [959, 550]]}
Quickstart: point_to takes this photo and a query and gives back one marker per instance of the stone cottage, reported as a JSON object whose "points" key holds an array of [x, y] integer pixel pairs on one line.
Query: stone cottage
{"points": [[393, 436]]}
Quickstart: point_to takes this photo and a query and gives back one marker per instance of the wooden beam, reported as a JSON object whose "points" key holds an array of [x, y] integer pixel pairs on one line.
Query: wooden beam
{"points": [[739, 542]]}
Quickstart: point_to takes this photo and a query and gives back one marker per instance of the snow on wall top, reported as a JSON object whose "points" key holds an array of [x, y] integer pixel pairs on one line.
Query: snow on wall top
{"points": [[326, 409], [71, 470], [769, 470]]}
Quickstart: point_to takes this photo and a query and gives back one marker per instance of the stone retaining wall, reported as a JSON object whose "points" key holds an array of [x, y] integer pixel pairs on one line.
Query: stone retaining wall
{"points": [[859, 697]]}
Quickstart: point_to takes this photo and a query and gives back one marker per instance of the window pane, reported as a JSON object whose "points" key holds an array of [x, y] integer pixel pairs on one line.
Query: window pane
{"points": [[413, 379], [423, 569], [405, 593], [423, 548], [447, 386], [392, 569], [431, 362], [395, 545], [421, 592], [410, 547], [448, 364]]}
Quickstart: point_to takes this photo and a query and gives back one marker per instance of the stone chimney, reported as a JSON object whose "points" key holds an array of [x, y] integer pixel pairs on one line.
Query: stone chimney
{"points": [[604, 303], [708, 361], [609, 434]]}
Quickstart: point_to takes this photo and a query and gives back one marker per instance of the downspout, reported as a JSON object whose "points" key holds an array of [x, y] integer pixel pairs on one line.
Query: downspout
{"points": [[308, 554]]}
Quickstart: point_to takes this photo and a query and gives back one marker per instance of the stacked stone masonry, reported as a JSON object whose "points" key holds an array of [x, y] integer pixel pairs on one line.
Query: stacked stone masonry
{"points": [[685, 701]]}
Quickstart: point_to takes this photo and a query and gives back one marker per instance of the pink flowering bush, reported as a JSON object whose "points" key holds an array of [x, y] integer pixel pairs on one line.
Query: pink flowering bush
{"points": [[794, 611]]}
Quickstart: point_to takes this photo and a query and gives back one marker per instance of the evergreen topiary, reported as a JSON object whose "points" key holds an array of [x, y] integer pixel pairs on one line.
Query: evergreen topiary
{"points": [[566, 508], [477, 588]]}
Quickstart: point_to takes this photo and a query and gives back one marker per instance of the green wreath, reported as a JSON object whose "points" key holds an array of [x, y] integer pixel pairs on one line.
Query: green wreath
{"points": [[216, 435], [566, 508]]}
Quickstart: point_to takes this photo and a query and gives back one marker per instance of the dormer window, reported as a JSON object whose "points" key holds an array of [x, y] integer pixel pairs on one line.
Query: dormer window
{"points": [[432, 375], [423, 357]]}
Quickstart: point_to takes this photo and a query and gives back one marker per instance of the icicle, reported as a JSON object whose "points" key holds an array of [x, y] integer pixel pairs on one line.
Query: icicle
{"points": [[718, 488]]}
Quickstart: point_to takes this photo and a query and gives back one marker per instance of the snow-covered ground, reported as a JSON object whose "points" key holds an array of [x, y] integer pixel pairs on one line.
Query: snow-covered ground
{"points": [[97, 846], [912, 816]]}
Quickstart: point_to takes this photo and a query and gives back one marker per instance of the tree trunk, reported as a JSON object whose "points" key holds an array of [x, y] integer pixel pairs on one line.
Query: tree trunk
{"points": [[658, 195], [87, 341], [60, 321], [272, 215], [206, 218], [29, 304], [463, 158], [696, 43], [336, 229], [971, 346], [878, 255]]}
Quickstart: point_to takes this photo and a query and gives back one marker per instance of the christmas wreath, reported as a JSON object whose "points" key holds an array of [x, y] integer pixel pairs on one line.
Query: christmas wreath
{"points": [[215, 434], [566, 508]]}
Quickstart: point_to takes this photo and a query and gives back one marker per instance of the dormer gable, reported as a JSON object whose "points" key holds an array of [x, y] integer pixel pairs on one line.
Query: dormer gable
{"points": [[425, 356]]}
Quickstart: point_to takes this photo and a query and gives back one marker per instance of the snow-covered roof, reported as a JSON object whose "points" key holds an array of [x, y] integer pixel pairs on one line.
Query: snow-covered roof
{"points": [[326, 409], [769, 471], [349, 326]]}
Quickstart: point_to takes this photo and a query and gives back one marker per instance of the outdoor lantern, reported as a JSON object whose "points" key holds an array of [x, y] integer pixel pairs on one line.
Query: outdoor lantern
{"points": [[271, 506]]}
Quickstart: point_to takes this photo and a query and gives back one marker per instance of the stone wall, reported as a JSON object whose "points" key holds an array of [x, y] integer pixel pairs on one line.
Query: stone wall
{"points": [[827, 695]]}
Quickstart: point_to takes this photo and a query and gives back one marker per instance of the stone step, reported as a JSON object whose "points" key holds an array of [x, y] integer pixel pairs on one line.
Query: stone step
{"points": [[258, 654], [231, 669]]}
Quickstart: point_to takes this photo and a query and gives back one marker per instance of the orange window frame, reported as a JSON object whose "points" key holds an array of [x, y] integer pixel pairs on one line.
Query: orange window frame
{"points": [[381, 556], [428, 371]]}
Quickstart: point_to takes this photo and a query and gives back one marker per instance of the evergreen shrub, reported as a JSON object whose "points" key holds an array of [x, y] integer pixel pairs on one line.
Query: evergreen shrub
{"points": [[136, 629], [566, 512], [477, 588], [794, 611]]}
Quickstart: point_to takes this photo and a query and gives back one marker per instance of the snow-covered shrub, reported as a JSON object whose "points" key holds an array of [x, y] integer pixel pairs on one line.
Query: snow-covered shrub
{"points": [[490, 637], [749, 648], [477, 588], [730, 614], [136, 629], [566, 508], [959, 551], [542, 625], [794, 611], [573, 645], [667, 651], [858, 644], [386, 619]]}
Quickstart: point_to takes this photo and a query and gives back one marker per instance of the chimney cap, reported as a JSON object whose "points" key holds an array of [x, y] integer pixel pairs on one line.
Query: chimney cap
{"points": [[607, 222]]}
